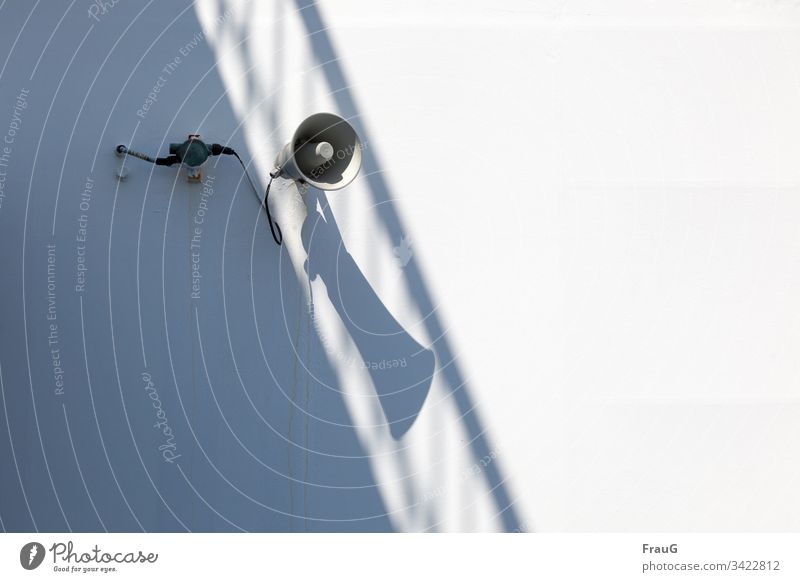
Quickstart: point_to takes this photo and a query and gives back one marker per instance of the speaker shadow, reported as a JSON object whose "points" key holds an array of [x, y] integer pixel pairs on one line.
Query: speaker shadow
{"points": [[401, 369]]}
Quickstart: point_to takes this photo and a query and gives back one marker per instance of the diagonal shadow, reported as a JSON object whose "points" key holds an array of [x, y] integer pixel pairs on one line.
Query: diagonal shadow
{"points": [[326, 54]]}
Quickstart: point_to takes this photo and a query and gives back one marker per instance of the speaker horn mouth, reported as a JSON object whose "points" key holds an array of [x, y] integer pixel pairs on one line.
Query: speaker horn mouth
{"points": [[325, 152]]}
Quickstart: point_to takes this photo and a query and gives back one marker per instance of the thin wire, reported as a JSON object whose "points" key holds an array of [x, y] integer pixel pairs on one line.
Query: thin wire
{"points": [[273, 226]]}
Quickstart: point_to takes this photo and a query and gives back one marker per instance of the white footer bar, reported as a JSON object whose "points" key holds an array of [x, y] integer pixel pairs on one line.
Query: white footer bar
{"points": [[401, 557]]}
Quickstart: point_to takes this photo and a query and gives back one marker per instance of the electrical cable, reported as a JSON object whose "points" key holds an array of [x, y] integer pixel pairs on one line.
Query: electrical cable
{"points": [[273, 226], [168, 161]]}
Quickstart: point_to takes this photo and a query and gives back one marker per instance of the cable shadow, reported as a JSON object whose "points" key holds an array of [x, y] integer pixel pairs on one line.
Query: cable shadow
{"points": [[326, 55]]}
